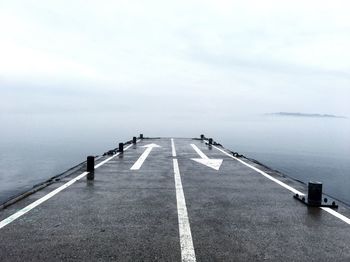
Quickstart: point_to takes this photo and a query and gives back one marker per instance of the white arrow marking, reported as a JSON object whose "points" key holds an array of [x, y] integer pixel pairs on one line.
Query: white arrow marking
{"points": [[213, 163], [143, 157]]}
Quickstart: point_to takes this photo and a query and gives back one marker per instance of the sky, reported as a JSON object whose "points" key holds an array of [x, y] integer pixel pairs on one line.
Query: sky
{"points": [[77, 77], [174, 59]]}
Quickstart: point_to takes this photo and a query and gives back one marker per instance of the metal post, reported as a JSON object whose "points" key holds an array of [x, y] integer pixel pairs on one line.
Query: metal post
{"points": [[134, 140], [210, 141], [314, 196], [121, 147], [141, 136], [90, 167], [202, 137]]}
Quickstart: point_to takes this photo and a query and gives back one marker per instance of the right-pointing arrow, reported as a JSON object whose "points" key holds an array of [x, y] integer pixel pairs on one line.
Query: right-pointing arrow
{"points": [[212, 163]]}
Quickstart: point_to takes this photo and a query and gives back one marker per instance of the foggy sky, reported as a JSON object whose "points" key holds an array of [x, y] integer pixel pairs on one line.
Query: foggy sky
{"points": [[175, 59]]}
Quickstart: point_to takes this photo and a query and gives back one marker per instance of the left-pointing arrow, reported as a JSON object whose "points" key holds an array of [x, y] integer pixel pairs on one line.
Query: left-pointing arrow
{"points": [[213, 163], [143, 157]]}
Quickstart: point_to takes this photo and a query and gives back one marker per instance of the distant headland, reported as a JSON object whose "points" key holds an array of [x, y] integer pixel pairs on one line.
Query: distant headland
{"points": [[304, 115]]}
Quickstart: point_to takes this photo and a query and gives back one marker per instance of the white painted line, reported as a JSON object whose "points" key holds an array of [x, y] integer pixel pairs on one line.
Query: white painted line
{"points": [[39, 201], [186, 243], [36, 203], [199, 152], [204, 160], [143, 157], [336, 214], [263, 173], [173, 151], [327, 209]]}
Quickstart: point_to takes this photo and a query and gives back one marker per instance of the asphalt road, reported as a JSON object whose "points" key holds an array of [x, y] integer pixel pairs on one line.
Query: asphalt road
{"points": [[180, 201]]}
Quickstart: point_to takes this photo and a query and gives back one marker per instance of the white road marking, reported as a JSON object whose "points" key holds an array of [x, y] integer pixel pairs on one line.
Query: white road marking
{"points": [[199, 152], [39, 201], [327, 209], [36, 203], [186, 243], [143, 157], [336, 214], [263, 173], [213, 163], [173, 151]]}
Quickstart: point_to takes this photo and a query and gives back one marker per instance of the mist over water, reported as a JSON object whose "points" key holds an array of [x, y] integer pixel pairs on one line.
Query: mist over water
{"points": [[78, 77], [306, 149], [38, 146]]}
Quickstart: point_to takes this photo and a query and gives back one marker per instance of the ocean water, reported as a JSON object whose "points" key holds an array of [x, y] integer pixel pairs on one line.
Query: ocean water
{"points": [[35, 148], [306, 149]]}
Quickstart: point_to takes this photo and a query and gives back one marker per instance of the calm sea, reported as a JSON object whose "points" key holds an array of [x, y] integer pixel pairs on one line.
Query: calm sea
{"points": [[33, 149]]}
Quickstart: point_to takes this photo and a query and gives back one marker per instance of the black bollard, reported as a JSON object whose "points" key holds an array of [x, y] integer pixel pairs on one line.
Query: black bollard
{"points": [[314, 196], [210, 141], [134, 140], [141, 136], [90, 167], [121, 147], [202, 137]]}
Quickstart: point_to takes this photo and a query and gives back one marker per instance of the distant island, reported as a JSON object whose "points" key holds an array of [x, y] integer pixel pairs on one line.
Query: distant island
{"points": [[304, 115]]}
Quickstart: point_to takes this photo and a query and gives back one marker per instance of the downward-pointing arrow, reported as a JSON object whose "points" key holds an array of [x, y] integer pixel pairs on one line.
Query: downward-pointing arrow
{"points": [[213, 163], [143, 157]]}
